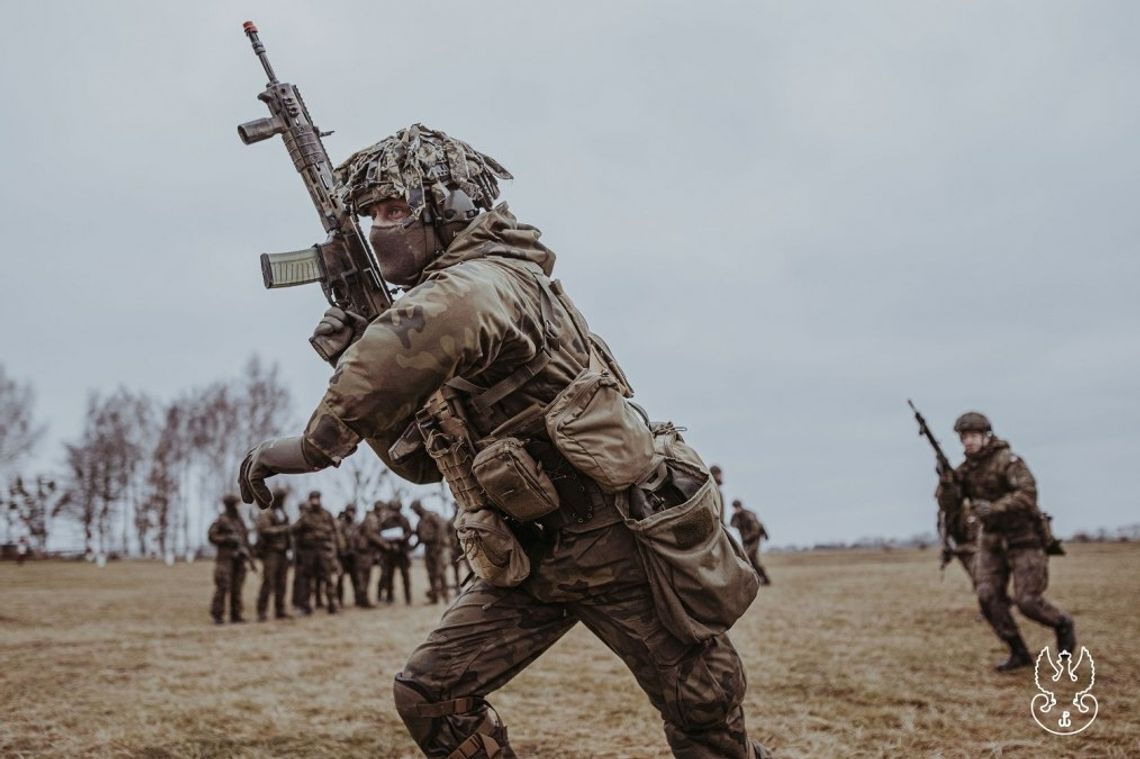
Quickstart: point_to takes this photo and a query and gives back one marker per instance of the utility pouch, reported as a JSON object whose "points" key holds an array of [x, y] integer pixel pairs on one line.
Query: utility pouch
{"points": [[700, 578], [514, 481], [1049, 541], [601, 433], [491, 548]]}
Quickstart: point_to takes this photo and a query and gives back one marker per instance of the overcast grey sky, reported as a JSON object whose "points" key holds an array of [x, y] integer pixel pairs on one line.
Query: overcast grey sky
{"points": [[786, 218]]}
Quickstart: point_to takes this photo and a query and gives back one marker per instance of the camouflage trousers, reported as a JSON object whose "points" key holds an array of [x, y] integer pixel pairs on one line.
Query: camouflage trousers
{"points": [[968, 559], [390, 563], [752, 551], [362, 562], [274, 569], [318, 570], [435, 560], [347, 567], [488, 635], [994, 564], [229, 576]]}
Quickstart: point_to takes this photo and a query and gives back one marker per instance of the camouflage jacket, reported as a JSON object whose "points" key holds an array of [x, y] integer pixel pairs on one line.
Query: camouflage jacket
{"points": [[231, 537], [367, 537], [751, 530], [475, 315], [346, 535], [272, 531], [432, 529], [316, 531], [997, 475], [390, 519]]}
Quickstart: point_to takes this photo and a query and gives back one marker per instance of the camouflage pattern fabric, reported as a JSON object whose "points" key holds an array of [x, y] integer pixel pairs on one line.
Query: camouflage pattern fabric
{"points": [[1006, 543], [228, 532], [751, 533], [432, 532], [272, 549], [1029, 568], [315, 533], [488, 635], [415, 159], [274, 576], [477, 314], [394, 558]]}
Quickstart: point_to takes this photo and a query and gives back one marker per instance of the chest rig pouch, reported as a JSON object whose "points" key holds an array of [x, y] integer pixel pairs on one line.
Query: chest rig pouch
{"points": [[590, 428]]}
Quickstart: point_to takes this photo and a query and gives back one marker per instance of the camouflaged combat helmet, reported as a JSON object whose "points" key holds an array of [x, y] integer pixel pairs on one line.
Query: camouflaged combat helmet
{"points": [[423, 167], [972, 421]]}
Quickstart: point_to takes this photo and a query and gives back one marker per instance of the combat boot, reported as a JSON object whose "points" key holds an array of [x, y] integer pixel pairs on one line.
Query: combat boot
{"points": [[284, 615], [1067, 635], [1018, 655], [261, 617]]}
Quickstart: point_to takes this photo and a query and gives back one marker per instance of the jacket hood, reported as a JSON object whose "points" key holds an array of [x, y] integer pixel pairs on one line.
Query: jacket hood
{"points": [[495, 233]]}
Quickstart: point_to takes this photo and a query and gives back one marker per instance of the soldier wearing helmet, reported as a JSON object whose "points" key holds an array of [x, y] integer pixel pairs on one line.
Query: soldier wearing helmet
{"points": [[996, 491], [230, 537], [481, 340]]}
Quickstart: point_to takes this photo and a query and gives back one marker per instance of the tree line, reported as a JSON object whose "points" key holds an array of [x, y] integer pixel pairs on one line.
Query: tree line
{"points": [[143, 472]]}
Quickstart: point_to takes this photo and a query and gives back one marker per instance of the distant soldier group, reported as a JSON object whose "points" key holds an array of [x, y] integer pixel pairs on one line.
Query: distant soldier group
{"points": [[325, 551]]}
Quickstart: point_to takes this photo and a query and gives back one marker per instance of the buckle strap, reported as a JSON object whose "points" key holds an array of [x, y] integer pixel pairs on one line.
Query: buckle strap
{"points": [[436, 709], [477, 746]]}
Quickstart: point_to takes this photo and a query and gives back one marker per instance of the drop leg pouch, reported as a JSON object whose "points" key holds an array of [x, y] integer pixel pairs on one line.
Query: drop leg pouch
{"points": [[700, 578]]}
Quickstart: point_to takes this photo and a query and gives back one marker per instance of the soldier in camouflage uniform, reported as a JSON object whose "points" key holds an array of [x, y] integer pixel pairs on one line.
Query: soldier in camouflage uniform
{"points": [[228, 532], [315, 538], [346, 536], [431, 532], [366, 541], [998, 490], [273, 550], [394, 553], [479, 309], [458, 560], [751, 533]]}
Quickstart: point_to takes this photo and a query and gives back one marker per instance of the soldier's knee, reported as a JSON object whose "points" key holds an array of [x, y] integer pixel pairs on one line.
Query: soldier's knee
{"points": [[475, 734], [988, 594], [704, 689]]}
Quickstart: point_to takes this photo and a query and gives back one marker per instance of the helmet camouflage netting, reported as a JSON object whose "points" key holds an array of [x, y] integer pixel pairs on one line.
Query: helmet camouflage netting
{"points": [[415, 161]]}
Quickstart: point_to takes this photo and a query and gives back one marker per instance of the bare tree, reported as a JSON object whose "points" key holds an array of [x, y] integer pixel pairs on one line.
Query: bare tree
{"points": [[18, 431], [32, 502], [165, 478]]}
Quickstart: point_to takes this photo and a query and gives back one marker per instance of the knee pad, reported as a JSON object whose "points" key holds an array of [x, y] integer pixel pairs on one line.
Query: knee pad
{"points": [[426, 720]]}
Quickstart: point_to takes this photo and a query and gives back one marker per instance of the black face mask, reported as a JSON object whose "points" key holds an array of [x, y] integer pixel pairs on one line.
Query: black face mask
{"points": [[404, 251]]}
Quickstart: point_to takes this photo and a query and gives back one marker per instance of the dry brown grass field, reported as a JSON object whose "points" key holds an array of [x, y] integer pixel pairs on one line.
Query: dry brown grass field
{"points": [[848, 654]]}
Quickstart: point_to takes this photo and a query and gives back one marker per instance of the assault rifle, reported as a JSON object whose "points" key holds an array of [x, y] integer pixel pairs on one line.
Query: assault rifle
{"points": [[947, 474], [344, 263]]}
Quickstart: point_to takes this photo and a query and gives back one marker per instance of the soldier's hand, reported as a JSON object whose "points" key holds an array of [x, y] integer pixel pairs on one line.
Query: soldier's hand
{"points": [[982, 508], [337, 330], [283, 455]]}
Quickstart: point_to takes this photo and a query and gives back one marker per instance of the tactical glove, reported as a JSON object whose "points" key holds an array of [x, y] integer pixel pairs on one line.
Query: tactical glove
{"points": [[983, 508], [283, 455], [337, 330]]}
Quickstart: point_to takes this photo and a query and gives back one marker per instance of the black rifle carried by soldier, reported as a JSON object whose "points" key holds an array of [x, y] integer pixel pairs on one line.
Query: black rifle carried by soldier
{"points": [[344, 264], [947, 475]]}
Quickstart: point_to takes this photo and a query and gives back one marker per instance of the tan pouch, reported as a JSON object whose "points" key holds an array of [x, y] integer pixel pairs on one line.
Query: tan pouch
{"points": [[493, 551], [514, 481], [700, 578], [601, 433]]}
